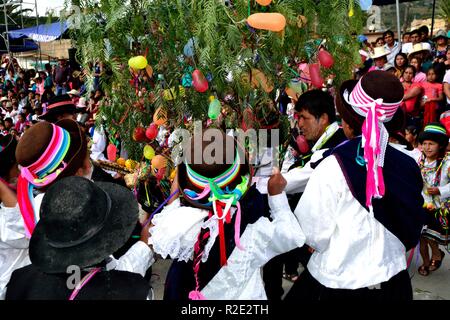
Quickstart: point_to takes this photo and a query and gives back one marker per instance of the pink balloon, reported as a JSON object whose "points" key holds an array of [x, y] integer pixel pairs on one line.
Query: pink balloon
{"points": [[326, 59], [303, 69], [316, 79], [152, 131], [199, 81], [111, 151], [302, 144]]}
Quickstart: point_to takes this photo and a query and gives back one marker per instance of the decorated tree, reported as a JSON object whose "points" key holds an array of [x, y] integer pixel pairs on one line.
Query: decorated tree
{"points": [[222, 60]]}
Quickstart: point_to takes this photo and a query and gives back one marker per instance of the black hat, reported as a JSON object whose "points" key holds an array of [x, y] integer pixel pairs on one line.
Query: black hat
{"points": [[81, 224], [58, 105], [435, 132]]}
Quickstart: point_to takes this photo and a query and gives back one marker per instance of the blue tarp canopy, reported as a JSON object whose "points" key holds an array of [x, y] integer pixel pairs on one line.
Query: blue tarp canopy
{"points": [[40, 33]]}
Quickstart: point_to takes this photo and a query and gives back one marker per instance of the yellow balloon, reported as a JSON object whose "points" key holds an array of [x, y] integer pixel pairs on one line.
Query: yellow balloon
{"points": [[138, 63], [264, 2], [267, 21]]}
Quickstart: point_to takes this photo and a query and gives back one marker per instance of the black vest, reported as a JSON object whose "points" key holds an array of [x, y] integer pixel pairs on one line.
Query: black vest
{"points": [[400, 210], [28, 283], [180, 278]]}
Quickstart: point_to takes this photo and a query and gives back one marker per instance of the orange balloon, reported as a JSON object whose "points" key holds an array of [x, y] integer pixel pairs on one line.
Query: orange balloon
{"points": [[264, 2], [160, 117], [149, 70], [267, 21], [159, 162]]}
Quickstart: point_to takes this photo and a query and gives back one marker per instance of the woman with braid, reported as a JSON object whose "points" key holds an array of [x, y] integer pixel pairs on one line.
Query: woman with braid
{"points": [[218, 234]]}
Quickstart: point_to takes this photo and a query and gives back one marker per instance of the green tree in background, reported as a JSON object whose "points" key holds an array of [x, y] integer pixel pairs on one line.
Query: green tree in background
{"points": [[226, 50]]}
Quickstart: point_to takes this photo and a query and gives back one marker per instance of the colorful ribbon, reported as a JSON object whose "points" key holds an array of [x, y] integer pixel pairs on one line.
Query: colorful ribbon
{"points": [[221, 201], [41, 173], [374, 136]]}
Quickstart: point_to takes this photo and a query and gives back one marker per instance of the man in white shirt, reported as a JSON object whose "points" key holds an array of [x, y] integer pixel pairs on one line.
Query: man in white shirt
{"points": [[392, 46], [359, 228]]}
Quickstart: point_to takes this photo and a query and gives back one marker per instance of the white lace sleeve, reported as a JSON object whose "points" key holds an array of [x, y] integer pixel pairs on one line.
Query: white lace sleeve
{"points": [[175, 231]]}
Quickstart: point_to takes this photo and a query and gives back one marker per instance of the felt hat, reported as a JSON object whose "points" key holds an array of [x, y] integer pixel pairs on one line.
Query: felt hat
{"points": [[7, 154], [74, 92], [81, 103], [191, 176], [81, 224], [47, 153], [435, 132], [379, 52], [4, 99], [418, 47], [440, 34], [58, 105]]}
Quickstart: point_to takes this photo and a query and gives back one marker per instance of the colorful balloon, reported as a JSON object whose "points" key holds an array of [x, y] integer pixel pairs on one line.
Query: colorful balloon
{"points": [[264, 2], [316, 79], [138, 63], [199, 81], [111, 152], [326, 59], [159, 162], [149, 70], [152, 132], [149, 152], [302, 144], [214, 108], [267, 21]]}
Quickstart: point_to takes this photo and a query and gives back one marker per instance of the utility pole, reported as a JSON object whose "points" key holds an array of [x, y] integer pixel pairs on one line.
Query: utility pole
{"points": [[6, 26], [39, 44]]}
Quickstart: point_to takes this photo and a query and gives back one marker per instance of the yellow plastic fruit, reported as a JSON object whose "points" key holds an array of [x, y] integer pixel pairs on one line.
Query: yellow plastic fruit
{"points": [[121, 162], [130, 164], [173, 174], [149, 152]]}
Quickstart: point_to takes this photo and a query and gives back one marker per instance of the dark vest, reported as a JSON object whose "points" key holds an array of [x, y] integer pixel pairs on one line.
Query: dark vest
{"points": [[400, 210], [180, 278], [28, 283]]}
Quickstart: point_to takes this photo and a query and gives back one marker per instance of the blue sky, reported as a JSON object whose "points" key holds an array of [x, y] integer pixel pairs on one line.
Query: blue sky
{"points": [[44, 5]]}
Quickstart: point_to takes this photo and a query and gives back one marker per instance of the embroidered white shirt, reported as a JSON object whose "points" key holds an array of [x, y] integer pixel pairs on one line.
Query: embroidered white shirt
{"points": [[176, 229]]}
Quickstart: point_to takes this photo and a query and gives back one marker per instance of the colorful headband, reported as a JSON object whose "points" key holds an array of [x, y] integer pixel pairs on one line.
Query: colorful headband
{"points": [[435, 129], [374, 136], [221, 202], [41, 173]]}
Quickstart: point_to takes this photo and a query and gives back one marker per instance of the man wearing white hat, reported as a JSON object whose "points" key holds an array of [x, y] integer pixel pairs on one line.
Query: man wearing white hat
{"points": [[415, 39]]}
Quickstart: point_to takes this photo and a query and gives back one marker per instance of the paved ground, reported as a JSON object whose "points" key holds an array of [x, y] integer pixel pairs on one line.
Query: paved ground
{"points": [[436, 286]]}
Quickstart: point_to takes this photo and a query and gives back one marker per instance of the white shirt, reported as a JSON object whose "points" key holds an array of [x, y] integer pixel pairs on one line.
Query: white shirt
{"points": [[297, 178], [352, 249], [176, 230], [13, 245], [392, 52], [447, 80]]}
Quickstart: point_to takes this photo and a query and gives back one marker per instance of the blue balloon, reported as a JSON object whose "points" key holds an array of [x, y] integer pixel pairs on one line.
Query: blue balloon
{"points": [[189, 48], [365, 4]]}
